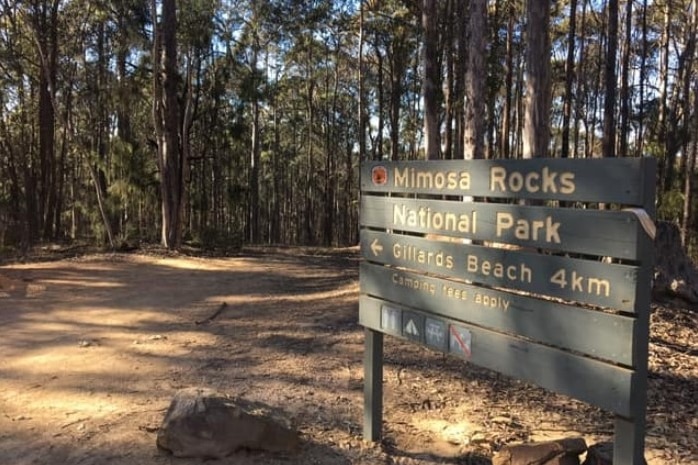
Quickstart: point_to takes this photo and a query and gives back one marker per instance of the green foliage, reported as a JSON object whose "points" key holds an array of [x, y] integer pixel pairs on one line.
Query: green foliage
{"points": [[298, 61], [670, 206]]}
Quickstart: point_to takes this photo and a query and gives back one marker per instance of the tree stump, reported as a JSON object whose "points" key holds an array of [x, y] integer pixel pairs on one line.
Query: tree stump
{"points": [[675, 275]]}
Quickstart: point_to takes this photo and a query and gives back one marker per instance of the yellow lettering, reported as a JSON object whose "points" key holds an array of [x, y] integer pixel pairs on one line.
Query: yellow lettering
{"points": [[545, 180], [567, 183], [452, 180], [464, 180], [516, 181], [503, 222], [526, 273], [472, 264], [497, 178], [528, 230], [532, 184], [522, 230], [485, 268], [519, 272], [536, 226], [401, 178]]}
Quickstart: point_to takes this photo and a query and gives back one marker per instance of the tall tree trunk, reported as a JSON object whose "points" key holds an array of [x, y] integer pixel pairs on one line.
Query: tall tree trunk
{"points": [[451, 103], [475, 80], [640, 145], [363, 119], [538, 85], [430, 83], [45, 24], [398, 63], [610, 82], [580, 87], [309, 214], [377, 148], [569, 80], [460, 69], [688, 187], [166, 121], [625, 82], [508, 85], [253, 202], [661, 132]]}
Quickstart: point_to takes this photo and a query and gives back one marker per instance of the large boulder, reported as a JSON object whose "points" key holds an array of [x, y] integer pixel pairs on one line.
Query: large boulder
{"points": [[559, 452], [204, 423]]}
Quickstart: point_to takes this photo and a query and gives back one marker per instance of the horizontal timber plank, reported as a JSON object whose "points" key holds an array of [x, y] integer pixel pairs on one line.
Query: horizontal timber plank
{"points": [[609, 180], [593, 232], [600, 384], [585, 281], [591, 332]]}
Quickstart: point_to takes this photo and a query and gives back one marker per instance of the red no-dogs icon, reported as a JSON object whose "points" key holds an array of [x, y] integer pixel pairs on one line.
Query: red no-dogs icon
{"points": [[379, 175]]}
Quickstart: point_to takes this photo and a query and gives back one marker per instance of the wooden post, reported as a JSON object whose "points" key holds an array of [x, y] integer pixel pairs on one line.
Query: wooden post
{"points": [[629, 434], [373, 384]]}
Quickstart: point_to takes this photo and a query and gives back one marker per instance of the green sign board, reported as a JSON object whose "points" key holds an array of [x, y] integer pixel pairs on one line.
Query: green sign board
{"points": [[555, 293]]}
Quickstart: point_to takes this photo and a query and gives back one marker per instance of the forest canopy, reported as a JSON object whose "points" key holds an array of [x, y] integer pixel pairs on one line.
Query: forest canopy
{"points": [[244, 121]]}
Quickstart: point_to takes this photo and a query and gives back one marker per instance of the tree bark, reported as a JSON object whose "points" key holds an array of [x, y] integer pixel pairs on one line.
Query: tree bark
{"points": [[569, 81], [610, 82], [538, 87], [625, 82], [430, 83], [166, 121], [362, 97], [508, 86], [640, 147], [475, 80]]}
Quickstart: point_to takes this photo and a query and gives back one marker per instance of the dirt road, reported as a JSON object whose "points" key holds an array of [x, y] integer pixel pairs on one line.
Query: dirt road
{"points": [[93, 348]]}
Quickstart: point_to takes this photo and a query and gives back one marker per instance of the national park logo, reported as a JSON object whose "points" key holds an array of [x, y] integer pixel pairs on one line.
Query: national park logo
{"points": [[379, 175]]}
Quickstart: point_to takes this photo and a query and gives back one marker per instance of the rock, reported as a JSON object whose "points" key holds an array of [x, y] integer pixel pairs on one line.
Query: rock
{"points": [[600, 454], [204, 423], [560, 452]]}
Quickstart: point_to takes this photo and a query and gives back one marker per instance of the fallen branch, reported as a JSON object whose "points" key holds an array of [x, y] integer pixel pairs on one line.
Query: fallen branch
{"points": [[213, 316]]}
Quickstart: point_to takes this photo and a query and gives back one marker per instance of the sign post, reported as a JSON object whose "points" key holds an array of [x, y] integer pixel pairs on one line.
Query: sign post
{"points": [[373, 384], [556, 294]]}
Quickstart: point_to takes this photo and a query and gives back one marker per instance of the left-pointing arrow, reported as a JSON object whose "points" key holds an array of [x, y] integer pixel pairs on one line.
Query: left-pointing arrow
{"points": [[376, 248]]}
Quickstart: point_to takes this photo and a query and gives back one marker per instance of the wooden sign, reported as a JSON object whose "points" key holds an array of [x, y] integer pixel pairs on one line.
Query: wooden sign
{"points": [[614, 180], [587, 281], [603, 233], [556, 294]]}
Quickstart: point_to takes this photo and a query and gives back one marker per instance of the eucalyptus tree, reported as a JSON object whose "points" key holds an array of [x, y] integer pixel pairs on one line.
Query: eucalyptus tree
{"points": [[431, 88], [538, 83], [475, 81], [610, 81], [166, 120], [16, 156], [569, 79]]}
